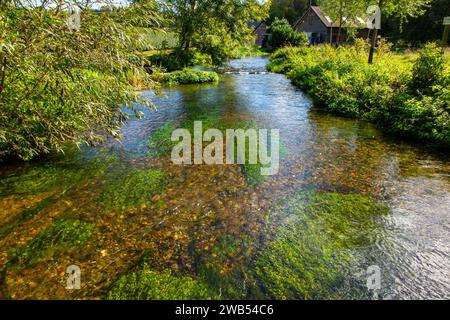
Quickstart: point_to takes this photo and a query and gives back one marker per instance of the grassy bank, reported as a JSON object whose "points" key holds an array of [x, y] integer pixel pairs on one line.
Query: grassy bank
{"points": [[408, 96]]}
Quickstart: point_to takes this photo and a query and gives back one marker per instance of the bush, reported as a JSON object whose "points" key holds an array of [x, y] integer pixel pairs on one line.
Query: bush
{"points": [[428, 70], [282, 34], [168, 61], [190, 76], [58, 85]]}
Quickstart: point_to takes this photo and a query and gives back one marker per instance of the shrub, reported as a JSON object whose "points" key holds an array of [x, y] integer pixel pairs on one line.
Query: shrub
{"points": [[190, 76], [168, 61], [428, 69], [283, 35], [58, 85]]}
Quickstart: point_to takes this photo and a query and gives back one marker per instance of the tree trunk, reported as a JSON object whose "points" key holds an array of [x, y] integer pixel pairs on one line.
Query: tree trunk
{"points": [[373, 44], [374, 36], [339, 34]]}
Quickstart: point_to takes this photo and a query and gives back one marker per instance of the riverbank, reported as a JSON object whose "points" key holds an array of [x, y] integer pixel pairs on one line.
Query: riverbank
{"points": [[407, 98]]}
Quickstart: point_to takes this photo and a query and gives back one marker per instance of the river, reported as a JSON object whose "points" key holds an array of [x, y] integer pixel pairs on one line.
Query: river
{"points": [[189, 225]]}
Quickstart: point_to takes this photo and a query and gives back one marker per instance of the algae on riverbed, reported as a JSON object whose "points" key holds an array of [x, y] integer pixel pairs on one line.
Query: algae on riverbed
{"points": [[160, 143], [312, 249], [135, 187], [62, 234], [147, 284]]}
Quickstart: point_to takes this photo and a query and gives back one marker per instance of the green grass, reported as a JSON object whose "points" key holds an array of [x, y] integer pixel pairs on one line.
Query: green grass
{"points": [[247, 51]]}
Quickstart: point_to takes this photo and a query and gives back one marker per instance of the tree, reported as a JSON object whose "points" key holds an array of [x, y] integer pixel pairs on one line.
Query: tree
{"points": [[402, 9], [291, 10], [195, 20], [421, 29], [61, 84], [282, 34]]}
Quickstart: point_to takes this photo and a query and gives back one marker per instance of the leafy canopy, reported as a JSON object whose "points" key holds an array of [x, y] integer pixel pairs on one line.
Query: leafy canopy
{"points": [[61, 84]]}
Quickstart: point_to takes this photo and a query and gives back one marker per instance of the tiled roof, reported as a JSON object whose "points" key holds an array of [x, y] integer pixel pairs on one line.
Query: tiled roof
{"points": [[328, 22]]}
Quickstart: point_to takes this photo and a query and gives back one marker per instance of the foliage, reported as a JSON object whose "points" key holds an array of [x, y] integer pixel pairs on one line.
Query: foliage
{"points": [[292, 10], [212, 27], [62, 234], [190, 76], [147, 284], [428, 70], [403, 9], [419, 29], [340, 80], [154, 39], [247, 51], [160, 143], [168, 61], [59, 85], [313, 243], [344, 13], [282, 34], [126, 190]]}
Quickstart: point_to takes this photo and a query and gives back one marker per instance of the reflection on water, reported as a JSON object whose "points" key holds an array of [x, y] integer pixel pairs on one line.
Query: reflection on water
{"points": [[188, 225]]}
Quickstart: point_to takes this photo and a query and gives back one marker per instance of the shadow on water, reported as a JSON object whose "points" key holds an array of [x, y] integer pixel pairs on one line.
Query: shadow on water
{"points": [[351, 197]]}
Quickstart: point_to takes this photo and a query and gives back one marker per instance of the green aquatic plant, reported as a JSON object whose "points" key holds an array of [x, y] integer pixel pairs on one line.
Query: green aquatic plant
{"points": [[27, 214], [160, 143], [147, 284], [224, 268], [126, 190], [62, 234], [59, 172], [252, 173], [45, 178], [314, 242]]}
